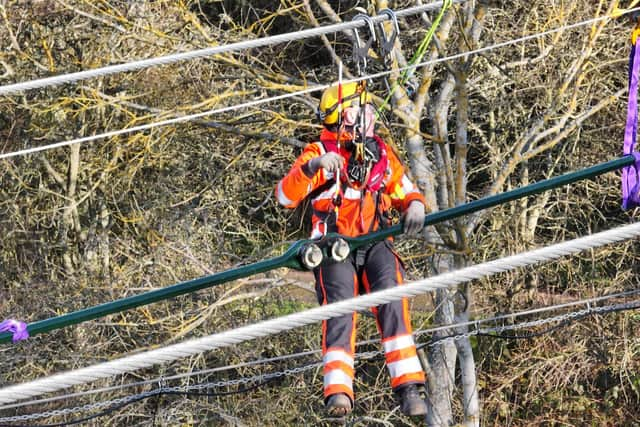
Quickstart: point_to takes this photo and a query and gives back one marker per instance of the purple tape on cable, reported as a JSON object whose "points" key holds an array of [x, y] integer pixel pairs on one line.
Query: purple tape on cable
{"points": [[17, 328], [630, 175]]}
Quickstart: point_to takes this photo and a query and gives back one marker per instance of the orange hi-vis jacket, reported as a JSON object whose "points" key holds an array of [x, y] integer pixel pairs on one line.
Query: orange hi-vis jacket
{"points": [[361, 210]]}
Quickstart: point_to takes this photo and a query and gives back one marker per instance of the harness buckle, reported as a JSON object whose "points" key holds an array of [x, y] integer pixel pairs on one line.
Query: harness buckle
{"points": [[361, 254]]}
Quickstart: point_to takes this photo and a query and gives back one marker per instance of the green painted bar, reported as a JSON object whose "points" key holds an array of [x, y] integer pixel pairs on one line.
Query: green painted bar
{"points": [[290, 257], [491, 201]]}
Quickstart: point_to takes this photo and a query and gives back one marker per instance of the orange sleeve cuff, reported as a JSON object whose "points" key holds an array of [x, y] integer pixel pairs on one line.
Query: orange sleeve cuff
{"points": [[296, 184]]}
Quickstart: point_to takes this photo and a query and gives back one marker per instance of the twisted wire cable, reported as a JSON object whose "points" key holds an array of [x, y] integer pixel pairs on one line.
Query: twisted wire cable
{"points": [[201, 53], [271, 360], [190, 117], [259, 380], [270, 327]]}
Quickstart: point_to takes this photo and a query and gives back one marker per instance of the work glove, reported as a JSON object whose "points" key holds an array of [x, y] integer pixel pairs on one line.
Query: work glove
{"points": [[414, 218], [331, 162]]}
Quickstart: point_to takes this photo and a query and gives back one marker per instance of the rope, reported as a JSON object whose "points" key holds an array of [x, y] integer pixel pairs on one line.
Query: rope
{"points": [[419, 54], [496, 332], [270, 327], [298, 93], [271, 360], [201, 53]]}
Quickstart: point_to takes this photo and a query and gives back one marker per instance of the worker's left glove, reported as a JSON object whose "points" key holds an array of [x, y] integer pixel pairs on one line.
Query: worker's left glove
{"points": [[414, 218]]}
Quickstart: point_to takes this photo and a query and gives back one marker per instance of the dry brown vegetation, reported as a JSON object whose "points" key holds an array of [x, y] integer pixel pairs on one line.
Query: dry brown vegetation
{"points": [[113, 218]]}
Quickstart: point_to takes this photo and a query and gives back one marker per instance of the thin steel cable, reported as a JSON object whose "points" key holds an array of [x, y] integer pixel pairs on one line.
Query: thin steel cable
{"points": [[281, 358], [160, 390], [167, 378], [418, 333], [528, 312], [147, 126], [201, 53], [262, 379], [270, 327], [257, 102]]}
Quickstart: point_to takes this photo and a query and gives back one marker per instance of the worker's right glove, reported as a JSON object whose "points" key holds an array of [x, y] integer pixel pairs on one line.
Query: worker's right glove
{"points": [[331, 162], [414, 217]]}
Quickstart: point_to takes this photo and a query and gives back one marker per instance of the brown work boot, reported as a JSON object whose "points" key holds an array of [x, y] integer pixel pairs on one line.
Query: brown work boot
{"points": [[338, 405], [411, 403]]}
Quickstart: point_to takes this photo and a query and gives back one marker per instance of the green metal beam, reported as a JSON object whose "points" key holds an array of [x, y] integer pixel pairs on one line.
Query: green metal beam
{"points": [[491, 201], [291, 257]]}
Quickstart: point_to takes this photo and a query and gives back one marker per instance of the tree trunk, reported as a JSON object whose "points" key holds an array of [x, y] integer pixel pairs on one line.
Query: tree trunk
{"points": [[466, 360], [70, 219], [442, 359]]}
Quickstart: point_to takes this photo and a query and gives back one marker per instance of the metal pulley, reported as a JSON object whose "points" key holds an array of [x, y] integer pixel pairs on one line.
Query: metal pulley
{"points": [[340, 250], [311, 256], [332, 250]]}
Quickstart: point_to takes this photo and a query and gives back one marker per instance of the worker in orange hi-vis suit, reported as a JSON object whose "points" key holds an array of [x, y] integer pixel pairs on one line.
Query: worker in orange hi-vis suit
{"points": [[353, 180]]}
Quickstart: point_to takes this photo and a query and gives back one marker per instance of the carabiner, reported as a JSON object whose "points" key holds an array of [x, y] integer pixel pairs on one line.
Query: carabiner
{"points": [[361, 50], [386, 42]]}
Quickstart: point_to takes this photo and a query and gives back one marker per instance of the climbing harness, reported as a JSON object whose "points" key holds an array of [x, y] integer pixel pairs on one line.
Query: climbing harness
{"points": [[630, 174], [360, 55], [361, 118], [353, 122]]}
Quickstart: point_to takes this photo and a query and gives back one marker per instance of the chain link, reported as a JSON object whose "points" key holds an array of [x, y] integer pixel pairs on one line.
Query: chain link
{"points": [[535, 323], [178, 389], [305, 368], [84, 408]]}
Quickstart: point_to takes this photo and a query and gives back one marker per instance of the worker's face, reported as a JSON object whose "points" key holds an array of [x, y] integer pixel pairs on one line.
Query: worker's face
{"points": [[350, 116], [351, 119]]}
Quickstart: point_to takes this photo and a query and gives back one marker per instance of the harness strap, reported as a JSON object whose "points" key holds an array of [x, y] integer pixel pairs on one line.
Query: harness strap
{"points": [[330, 218], [361, 255]]}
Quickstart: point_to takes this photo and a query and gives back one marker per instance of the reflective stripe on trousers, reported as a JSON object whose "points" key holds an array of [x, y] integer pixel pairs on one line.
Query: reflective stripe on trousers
{"points": [[339, 281]]}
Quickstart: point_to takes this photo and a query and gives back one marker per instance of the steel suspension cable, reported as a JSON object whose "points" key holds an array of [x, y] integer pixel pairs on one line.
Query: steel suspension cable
{"points": [[270, 327], [494, 332], [201, 53], [190, 117], [454, 326], [291, 257]]}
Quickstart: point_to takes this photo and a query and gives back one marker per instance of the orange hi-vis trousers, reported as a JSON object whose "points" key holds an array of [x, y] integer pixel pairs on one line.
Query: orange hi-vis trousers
{"points": [[381, 269]]}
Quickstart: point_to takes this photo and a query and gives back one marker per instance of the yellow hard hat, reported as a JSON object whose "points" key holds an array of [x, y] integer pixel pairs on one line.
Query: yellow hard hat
{"points": [[328, 108]]}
